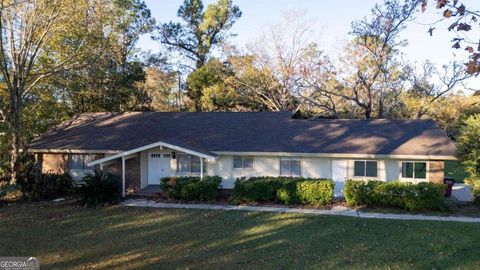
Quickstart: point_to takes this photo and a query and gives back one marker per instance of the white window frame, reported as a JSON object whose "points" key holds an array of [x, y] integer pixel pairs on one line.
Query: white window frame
{"points": [[290, 159], [364, 170], [243, 163], [84, 162], [189, 162], [414, 179]]}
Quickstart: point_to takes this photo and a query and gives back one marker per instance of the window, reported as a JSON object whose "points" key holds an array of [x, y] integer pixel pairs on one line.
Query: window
{"points": [[78, 162], [414, 170], [241, 162], [188, 163], [365, 168], [290, 167], [195, 161]]}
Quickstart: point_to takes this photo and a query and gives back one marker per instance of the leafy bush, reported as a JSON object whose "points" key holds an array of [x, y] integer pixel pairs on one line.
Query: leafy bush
{"points": [[469, 145], [191, 188], [286, 190], [359, 192], [10, 192], [469, 152], [260, 189], [98, 189], [48, 186], [315, 192], [408, 196], [475, 184]]}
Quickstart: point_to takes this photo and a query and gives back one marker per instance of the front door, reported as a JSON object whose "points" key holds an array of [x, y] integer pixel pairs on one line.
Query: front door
{"points": [[339, 175], [158, 167]]}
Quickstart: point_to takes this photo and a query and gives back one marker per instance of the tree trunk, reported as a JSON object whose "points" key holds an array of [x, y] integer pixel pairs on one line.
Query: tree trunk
{"points": [[197, 102], [15, 126], [15, 157], [200, 61], [368, 113], [198, 96]]}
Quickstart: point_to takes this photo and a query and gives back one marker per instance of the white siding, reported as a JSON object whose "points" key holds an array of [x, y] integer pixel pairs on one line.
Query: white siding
{"points": [[223, 167], [392, 168], [317, 168], [388, 170]]}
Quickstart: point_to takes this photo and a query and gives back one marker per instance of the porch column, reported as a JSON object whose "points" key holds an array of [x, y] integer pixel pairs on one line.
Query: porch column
{"points": [[101, 167], [201, 168], [123, 176]]}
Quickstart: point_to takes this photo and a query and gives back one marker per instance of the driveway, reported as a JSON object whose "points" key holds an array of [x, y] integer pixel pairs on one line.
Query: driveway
{"points": [[462, 192]]}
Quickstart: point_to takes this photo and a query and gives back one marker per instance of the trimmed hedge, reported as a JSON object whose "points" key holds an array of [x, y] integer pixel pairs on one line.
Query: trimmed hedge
{"points": [[286, 190], [408, 196], [191, 188]]}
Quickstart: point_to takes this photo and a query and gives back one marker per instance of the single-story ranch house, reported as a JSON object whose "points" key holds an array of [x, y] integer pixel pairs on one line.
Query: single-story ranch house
{"points": [[142, 147]]}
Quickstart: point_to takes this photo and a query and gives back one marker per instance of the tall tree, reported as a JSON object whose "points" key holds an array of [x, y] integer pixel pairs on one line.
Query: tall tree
{"points": [[272, 67], [376, 82], [29, 30], [203, 29], [162, 87], [109, 79], [428, 85], [463, 18], [369, 79]]}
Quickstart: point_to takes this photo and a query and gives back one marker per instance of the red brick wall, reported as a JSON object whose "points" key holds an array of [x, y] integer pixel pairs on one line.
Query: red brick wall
{"points": [[132, 173], [436, 171], [53, 163], [57, 162]]}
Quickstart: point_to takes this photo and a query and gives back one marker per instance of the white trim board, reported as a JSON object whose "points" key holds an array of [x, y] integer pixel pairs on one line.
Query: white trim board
{"points": [[146, 147]]}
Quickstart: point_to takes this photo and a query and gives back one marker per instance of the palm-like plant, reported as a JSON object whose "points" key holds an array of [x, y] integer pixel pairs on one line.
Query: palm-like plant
{"points": [[98, 189]]}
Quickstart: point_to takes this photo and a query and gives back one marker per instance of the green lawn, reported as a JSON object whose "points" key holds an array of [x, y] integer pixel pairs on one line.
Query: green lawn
{"points": [[66, 237]]}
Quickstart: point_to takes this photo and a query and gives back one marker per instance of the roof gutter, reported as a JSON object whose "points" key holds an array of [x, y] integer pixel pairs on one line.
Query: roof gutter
{"points": [[340, 155], [74, 151]]}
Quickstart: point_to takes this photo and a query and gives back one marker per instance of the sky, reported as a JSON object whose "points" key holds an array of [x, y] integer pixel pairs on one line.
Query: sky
{"points": [[331, 23]]}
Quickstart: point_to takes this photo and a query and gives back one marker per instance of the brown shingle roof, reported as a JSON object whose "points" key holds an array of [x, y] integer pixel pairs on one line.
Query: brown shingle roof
{"points": [[248, 132]]}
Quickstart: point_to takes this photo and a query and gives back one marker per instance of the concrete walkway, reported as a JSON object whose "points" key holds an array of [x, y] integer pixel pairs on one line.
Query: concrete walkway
{"points": [[335, 211], [462, 192]]}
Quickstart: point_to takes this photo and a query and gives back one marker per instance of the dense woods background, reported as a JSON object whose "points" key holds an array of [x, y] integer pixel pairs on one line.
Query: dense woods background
{"points": [[59, 58]]}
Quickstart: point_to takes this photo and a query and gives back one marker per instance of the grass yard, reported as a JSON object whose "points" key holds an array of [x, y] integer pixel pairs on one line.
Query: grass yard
{"points": [[66, 237]]}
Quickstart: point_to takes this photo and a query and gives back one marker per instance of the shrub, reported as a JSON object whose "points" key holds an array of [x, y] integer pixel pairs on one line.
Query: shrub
{"points": [[287, 193], [469, 145], [475, 184], [315, 192], [98, 189], [10, 192], [286, 190], [408, 196], [359, 192], [48, 186], [261, 189], [191, 188]]}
